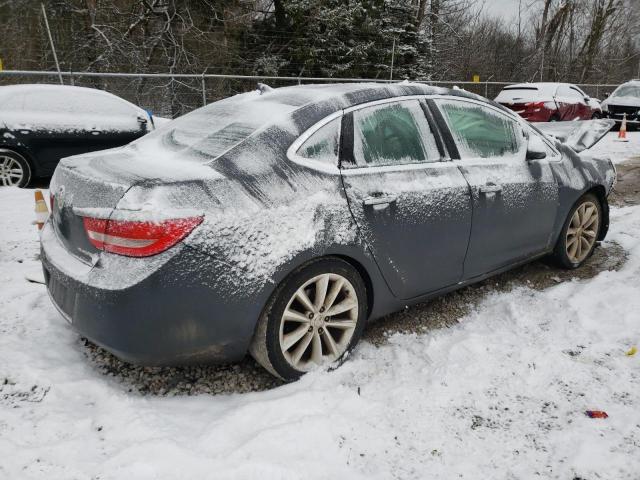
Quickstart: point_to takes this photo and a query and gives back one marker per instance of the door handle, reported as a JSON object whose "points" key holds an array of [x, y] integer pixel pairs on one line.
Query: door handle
{"points": [[382, 200], [490, 188]]}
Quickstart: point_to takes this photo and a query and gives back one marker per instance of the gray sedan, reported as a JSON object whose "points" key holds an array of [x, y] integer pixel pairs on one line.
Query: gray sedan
{"points": [[278, 222]]}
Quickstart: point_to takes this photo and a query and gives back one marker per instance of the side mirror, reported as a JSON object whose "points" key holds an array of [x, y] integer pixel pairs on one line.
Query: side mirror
{"points": [[607, 94], [536, 149], [587, 99]]}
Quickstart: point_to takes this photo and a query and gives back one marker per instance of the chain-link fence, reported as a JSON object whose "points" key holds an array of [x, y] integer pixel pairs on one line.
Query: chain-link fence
{"points": [[170, 95]]}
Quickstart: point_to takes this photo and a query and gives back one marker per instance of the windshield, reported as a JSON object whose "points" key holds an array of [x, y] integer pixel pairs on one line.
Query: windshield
{"points": [[210, 131], [627, 91]]}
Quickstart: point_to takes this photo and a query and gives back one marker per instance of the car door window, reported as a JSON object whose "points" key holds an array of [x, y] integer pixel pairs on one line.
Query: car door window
{"points": [[393, 134], [481, 132], [323, 144]]}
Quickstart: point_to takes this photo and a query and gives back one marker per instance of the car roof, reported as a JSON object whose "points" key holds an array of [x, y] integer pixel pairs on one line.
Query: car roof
{"points": [[57, 90], [355, 93], [542, 86], [311, 103]]}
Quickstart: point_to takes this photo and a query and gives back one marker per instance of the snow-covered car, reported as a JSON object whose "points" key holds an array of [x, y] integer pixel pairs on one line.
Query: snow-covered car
{"points": [[280, 223], [625, 100], [549, 102], [40, 124]]}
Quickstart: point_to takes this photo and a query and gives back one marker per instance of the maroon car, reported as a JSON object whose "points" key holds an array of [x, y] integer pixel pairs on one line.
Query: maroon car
{"points": [[549, 102]]}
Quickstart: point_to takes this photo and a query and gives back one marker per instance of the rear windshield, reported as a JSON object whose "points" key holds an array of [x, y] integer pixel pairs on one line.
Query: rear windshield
{"points": [[627, 91], [208, 132], [518, 94]]}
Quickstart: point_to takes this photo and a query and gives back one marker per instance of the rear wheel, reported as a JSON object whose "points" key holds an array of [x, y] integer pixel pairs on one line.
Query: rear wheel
{"points": [[580, 232], [313, 319], [15, 171]]}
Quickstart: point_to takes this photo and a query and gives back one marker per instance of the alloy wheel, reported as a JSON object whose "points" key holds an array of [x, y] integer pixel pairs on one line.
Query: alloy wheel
{"points": [[582, 232], [11, 172], [318, 322]]}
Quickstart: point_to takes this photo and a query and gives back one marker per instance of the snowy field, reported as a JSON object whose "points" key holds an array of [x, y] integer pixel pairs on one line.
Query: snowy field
{"points": [[501, 395]]}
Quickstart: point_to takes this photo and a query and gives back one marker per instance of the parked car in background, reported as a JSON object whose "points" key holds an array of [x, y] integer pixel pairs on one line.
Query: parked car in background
{"points": [[624, 100], [40, 124], [280, 223], [549, 102]]}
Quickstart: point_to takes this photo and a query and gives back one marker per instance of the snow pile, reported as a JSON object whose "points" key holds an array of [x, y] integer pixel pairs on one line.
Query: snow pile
{"points": [[502, 395], [610, 147]]}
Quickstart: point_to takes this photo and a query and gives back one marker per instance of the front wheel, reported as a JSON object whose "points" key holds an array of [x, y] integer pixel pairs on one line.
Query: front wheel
{"points": [[313, 319], [580, 232]]}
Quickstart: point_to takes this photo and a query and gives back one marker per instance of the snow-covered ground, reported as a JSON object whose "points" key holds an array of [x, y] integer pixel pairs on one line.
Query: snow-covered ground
{"points": [[617, 150], [502, 395]]}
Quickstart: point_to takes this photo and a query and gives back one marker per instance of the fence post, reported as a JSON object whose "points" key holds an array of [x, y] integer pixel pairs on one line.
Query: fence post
{"points": [[204, 92], [486, 89]]}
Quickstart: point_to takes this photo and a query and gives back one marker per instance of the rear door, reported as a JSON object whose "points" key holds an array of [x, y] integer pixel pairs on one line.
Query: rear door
{"points": [[412, 208], [583, 108], [514, 201]]}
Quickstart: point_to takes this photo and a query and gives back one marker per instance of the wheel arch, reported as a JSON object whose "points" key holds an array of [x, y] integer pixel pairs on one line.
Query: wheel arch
{"points": [[23, 152], [601, 194]]}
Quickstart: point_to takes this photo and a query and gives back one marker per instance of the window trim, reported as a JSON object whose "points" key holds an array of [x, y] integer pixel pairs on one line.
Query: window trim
{"points": [[292, 151], [523, 124], [378, 168], [442, 130]]}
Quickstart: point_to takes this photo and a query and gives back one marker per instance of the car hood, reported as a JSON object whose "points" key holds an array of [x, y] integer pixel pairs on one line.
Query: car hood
{"points": [[580, 135], [622, 101]]}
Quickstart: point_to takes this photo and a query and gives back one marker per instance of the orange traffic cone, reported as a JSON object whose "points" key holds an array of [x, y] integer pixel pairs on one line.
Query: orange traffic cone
{"points": [[622, 134], [42, 212]]}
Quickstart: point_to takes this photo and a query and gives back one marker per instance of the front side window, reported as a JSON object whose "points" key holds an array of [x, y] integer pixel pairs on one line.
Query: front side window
{"points": [[323, 144], [480, 132], [393, 134]]}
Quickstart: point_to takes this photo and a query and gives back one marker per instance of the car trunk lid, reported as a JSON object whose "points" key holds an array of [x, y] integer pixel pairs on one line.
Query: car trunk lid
{"points": [[96, 186], [579, 135]]}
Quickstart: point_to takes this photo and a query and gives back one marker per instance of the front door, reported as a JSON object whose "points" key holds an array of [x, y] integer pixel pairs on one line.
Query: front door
{"points": [[515, 202], [412, 209]]}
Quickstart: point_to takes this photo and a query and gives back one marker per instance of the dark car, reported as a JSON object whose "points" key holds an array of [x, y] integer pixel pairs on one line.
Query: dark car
{"points": [[549, 102], [624, 101], [279, 223], [40, 124]]}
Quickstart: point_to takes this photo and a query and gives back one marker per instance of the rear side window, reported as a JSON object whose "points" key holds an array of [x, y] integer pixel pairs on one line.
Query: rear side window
{"points": [[479, 131], [323, 144], [393, 134]]}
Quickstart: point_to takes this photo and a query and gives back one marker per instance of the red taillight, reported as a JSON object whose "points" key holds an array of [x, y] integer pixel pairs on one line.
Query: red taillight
{"points": [[135, 238], [534, 104]]}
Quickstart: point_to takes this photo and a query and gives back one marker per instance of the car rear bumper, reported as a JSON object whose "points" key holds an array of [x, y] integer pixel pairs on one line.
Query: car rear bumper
{"points": [[174, 315]]}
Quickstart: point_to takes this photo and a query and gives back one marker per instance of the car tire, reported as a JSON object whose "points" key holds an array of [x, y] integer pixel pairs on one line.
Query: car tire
{"points": [[15, 170], [554, 118], [296, 332], [596, 116], [579, 233]]}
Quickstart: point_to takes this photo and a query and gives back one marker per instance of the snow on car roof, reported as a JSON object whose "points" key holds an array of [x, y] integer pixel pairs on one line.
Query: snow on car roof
{"points": [[56, 91], [211, 130], [543, 87]]}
